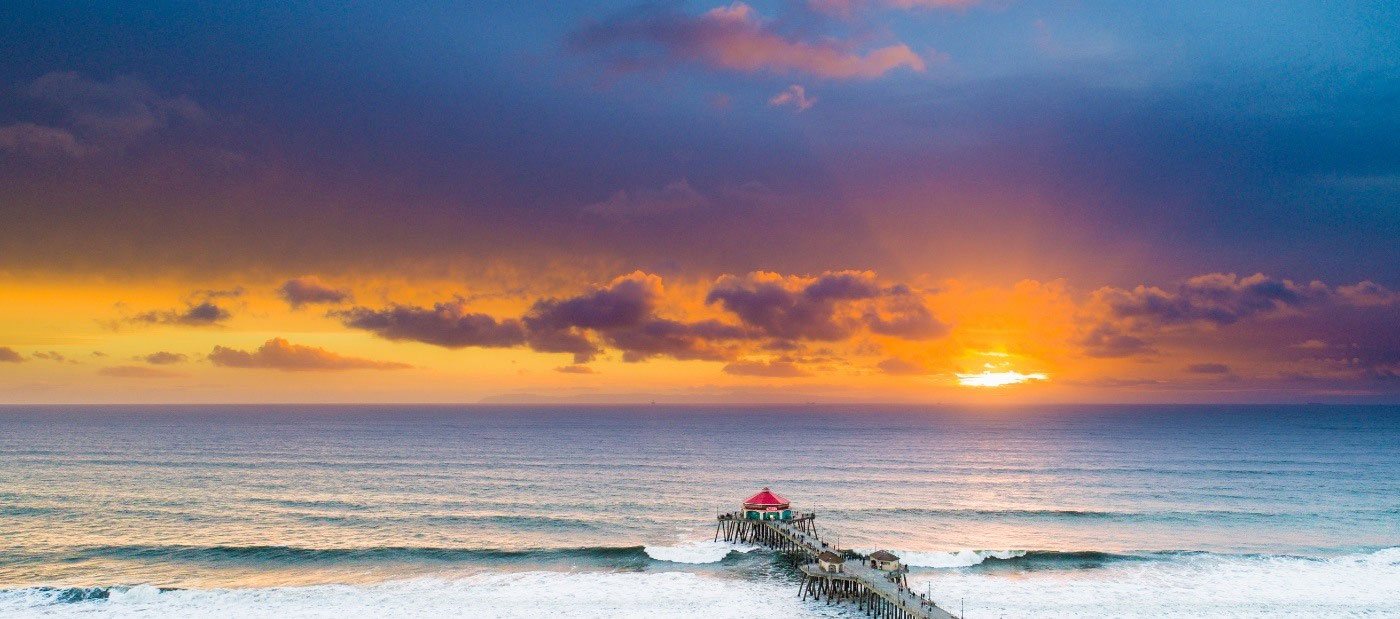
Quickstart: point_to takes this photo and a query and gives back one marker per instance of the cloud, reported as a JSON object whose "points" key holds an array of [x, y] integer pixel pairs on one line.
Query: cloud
{"points": [[8, 355], [901, 367], [794, 95], [734, 38], [1367, 294], [214, 294], [623, 315], [53, 355], [163, 358], [901, 313], [676, 196], [448, 324], [122, 106], [1113, 382], [793, 308], [1108, 342], [1208, 368], [39, 141], [310, 289], [1126, 322], [846, 8], [677, 340], [203, 314], [137, 371], [1223, 299], [574, 369], [769, 369], [279, 354], [829, 307], [93, 115]]}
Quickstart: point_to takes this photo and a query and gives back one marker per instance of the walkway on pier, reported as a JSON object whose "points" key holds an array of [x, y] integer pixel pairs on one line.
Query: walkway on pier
{"points": [[877, 581]]}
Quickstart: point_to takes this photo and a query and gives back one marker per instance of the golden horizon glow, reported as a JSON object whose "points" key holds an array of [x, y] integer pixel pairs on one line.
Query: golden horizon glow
{"points": [[90, 340]]}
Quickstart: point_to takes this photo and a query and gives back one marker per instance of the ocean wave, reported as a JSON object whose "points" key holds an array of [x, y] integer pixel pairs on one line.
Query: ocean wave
{"points": [[1072, 559], [1074, 514], [301, 555], [507, 521], [956, 558], [1177, 584], [1029, 559], [518, 594], [696, 552]]}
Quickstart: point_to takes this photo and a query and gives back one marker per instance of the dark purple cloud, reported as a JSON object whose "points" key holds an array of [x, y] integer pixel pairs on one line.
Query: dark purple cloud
{"points": [[623, 315], [163, 358], [8, 355], [1208, 368], [1212, 306], [1108, 341], [308, 290], [448, 324], [824, 308], [202, 314], [626, 302], [1225, 299], [703, 340]]}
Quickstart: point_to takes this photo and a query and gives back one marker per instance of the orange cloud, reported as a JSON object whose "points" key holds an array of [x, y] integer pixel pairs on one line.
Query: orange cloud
{"points": [[137, 371], [279, 354], [767, 369]]}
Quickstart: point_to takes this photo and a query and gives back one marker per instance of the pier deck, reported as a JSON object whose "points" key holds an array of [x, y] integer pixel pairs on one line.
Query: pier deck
{"points": [[871, 589]]}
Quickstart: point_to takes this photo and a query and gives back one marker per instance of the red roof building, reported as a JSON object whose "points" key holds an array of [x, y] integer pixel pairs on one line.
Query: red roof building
{"points": [[767, 505]]}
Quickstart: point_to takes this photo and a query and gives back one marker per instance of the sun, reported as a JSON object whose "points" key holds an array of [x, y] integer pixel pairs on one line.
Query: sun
{"points": [[995, 376]]}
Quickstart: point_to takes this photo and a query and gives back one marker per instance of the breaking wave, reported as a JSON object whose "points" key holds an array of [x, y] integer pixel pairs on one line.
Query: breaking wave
{"points": [[520, 594], [696, 552], [1158, 584]]}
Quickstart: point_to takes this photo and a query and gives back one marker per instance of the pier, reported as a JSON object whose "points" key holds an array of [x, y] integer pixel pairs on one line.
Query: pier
{"points": [[875, 583]]}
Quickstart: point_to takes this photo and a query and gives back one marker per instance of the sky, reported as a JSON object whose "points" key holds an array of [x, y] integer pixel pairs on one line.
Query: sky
{"points": [[995, 201]]}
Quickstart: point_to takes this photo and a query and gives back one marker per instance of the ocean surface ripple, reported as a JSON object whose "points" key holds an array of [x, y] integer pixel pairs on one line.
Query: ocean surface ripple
{"points": [[606, 512]]}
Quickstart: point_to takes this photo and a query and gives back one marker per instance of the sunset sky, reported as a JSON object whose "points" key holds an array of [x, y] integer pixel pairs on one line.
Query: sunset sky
{"points": [[789, 201]]}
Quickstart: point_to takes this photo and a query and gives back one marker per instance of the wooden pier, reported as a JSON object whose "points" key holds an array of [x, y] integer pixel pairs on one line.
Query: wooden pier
{"points": [[880, 593]]}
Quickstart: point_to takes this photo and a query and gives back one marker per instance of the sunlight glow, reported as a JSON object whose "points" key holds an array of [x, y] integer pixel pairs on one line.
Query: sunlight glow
{"points": [[1002, 378]]}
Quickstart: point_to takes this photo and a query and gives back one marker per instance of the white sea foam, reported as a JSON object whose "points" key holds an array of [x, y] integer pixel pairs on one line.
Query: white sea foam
{"points": [[1189, 585], [1363, 585], [696, 552], [956, 558], [529, 594]]}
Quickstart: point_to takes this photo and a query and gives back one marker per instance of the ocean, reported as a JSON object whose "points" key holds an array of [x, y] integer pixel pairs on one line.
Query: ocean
{"points": [[596, 511]]}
